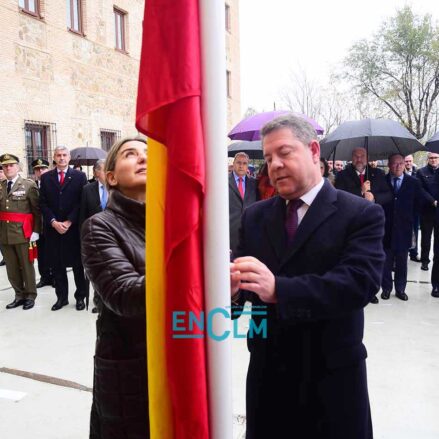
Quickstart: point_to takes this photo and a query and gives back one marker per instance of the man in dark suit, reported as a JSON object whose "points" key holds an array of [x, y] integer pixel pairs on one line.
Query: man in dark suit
{"points": [[313, 256], [399, 212], [94, 200], [243, 191], [411, 169], [60, 199], [364, 181], [430, 183]]}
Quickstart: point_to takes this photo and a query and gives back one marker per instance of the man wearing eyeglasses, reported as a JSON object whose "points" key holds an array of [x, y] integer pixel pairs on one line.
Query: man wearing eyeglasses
{"points": [[243, 191], [428, 178]]}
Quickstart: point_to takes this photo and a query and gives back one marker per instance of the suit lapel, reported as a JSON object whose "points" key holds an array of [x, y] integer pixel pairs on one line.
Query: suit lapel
{"points": [[67, 178], [54, 177], [248, 188], [232, 184], [321, 208], [275, 226], [96, 195]]}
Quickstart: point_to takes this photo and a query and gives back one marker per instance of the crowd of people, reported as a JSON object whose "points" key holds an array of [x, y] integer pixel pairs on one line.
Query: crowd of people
{"points": [[407, 195], [312, 255], [40, 219]]}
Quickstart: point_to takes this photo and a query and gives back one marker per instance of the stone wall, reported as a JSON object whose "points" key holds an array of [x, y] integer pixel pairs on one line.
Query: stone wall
{"points": [[78, 83]]}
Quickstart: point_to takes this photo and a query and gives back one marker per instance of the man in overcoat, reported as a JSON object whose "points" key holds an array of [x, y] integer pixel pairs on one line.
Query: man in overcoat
{"points": [[408, 197], [94, 200], [313, 256], [428, 176], [363, 180], [243, 191], [60, 200]]}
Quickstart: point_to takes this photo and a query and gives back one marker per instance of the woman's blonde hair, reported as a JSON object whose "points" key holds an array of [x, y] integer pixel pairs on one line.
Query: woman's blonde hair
{"points": [[110, 161]]}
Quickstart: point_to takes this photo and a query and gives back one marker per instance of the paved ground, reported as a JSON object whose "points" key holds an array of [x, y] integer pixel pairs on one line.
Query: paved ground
{"points": [[401, 337]]}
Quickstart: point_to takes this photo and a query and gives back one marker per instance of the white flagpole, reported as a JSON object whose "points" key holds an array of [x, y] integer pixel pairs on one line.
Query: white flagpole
{"points": [[216, 211]]}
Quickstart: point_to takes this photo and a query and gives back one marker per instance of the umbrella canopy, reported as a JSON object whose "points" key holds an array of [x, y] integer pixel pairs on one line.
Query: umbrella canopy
{"points": [[380, 138], [253, 149], [432, 144], [249, 128], [86, 156]]}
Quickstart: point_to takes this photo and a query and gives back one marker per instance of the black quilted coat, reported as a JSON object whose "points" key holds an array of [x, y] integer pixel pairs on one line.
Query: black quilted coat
{"points": [[113, 252]]}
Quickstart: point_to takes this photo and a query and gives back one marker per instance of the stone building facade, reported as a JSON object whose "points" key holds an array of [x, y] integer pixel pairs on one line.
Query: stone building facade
{"points": [[233, 63], [69, 71]]}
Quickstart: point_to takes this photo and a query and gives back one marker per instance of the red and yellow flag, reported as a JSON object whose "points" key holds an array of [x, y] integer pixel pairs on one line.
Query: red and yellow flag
{"points": [[168, 112]]}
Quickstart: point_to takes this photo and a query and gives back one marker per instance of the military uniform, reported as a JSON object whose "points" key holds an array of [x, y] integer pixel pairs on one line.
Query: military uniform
{"points": [[15, 232]]}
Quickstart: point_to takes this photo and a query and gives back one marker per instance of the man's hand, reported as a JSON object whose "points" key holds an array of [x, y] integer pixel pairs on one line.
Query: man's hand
{"points": [[365, 187], [67, 224], [234, 280], [61, 228], [369, 196], [248, 273], [34, 237]]}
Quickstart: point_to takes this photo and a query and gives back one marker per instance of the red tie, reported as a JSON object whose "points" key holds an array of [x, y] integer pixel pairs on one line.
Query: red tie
{"points": [[240, 187], [61, 178], [362, 179]]}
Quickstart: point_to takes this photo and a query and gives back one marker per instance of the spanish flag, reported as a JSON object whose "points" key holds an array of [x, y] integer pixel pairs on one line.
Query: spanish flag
{"points": [[169, 113]]}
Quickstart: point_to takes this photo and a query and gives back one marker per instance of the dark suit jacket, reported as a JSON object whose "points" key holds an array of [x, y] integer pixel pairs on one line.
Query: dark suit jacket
{"points": [[90, 202], [349, 181], [62, 203], [237, 205], [400, 213], [309, 372], [429, 178]]}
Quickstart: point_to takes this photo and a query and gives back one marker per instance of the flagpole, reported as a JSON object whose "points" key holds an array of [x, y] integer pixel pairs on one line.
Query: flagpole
{"points": [[216, 210]]}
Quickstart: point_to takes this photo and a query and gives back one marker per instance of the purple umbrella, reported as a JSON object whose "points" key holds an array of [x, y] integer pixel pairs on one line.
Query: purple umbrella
{"points": [[249, 128]]}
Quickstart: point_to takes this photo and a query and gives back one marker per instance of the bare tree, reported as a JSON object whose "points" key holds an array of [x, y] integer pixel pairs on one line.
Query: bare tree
{"points": [[399, 68]]}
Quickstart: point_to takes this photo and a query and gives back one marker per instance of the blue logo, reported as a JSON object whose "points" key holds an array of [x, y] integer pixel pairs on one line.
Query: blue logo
{"points": [[189, 324]]}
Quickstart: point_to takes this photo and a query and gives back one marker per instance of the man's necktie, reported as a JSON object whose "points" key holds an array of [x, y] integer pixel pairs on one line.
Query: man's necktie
{"points": [[104, 197], [61, 178], [9, 186], [240, 187], [361, 179], [395, 184], [292, 219]]}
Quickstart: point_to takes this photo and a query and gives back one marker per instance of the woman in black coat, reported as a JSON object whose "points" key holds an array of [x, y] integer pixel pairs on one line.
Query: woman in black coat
{"points": [[113, 252]]}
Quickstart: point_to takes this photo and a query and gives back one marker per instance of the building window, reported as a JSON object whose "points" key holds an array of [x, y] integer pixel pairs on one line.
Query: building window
{"points": [[30, 6], [228, 19], [36, 142], [120, 29], [229, 83], [74, 15], [108, 138]]}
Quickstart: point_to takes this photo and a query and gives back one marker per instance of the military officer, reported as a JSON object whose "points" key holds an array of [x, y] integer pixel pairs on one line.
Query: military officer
{"points": [[20, 224], [2, 174], [2, 177], [40, 167]]}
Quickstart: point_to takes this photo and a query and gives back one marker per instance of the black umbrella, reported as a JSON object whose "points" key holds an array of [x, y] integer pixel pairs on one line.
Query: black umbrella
{"points": [[86, 156], [432, 144], [380, 138], [253, 149]]}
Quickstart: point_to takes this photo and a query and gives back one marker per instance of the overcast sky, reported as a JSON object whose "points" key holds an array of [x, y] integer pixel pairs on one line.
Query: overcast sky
{"points": [[280, 36]]}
